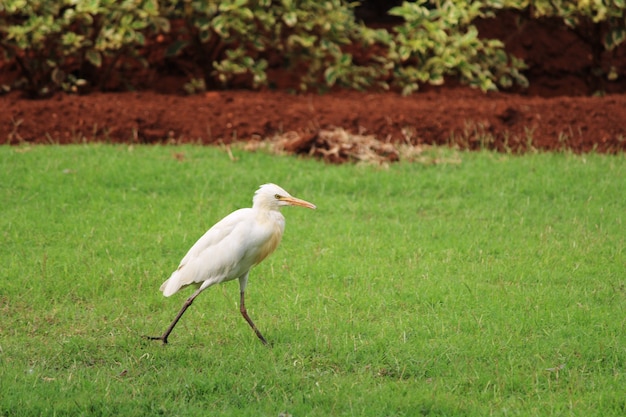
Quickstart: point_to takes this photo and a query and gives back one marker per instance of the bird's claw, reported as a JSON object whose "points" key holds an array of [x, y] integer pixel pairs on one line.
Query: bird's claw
{"points": [[161, 338]]}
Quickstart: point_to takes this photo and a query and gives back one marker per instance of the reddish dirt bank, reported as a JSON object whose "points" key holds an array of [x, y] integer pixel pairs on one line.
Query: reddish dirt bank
{"points": [[450, 115]]}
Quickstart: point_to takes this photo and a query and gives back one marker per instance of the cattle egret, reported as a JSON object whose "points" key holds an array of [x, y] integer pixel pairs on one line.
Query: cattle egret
{"points": [[230, 248]]}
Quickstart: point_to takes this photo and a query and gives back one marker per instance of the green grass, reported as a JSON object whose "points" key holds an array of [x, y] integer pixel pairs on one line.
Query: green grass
{"points": [[493, 286]]}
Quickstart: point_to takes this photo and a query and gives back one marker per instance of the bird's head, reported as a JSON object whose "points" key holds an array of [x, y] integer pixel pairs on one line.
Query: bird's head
{"points": [[272, 197]]}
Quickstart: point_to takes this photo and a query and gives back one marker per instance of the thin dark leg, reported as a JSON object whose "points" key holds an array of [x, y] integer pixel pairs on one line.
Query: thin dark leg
{"points": [[244, 313], [165, 335]]}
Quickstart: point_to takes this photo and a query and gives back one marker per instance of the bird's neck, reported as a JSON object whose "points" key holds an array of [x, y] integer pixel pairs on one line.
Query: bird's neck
{"points": [[265, 214]]}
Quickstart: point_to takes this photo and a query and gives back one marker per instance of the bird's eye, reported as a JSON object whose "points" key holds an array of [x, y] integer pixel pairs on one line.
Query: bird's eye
{"points": [[277, 196]]}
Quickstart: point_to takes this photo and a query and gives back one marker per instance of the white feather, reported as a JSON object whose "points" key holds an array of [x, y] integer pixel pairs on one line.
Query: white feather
{"points": [[219, 255]]}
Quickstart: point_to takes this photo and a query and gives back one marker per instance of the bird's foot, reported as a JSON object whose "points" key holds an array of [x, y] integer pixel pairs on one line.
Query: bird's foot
{"points": [[161, 338]]}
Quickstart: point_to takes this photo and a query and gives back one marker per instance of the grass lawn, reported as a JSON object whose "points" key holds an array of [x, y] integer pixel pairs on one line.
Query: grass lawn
{"points": [[478, 284]]}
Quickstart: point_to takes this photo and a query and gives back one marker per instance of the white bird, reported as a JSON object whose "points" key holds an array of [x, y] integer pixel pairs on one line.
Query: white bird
{"points": [[230, 248]]}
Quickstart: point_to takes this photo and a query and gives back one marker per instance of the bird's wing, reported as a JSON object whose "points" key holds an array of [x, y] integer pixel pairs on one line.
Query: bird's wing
{"points": [[216, 256]]}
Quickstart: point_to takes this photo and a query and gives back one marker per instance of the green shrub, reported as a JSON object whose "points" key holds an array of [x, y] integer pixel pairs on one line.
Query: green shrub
{"points": [[440, 40], [65, 44], [239, 39], [606, 16], [601, 24]]}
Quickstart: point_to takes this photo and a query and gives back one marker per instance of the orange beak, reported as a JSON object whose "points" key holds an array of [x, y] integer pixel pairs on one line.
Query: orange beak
{"points": [[292, 201]]}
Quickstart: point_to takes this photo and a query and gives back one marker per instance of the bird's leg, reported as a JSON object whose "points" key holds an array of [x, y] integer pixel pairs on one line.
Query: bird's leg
{"points": [[244, 313], [165, 335]]}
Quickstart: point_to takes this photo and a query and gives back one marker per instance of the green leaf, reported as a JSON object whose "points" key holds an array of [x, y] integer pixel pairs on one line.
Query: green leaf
{"points": [[220, 27], [94, 57], [436, 79], [290, 19], [226, 6], [162, 24], [409, 88], [330, 75], [175, 48], [614, 38], [304, 41]]}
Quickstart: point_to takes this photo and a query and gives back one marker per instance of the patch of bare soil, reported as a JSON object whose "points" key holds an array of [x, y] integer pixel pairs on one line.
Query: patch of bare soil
{"points": [[459, 116]]}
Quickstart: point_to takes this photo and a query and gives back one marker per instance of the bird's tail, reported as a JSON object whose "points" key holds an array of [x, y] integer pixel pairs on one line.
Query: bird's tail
{"points": [[171, 285]]}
